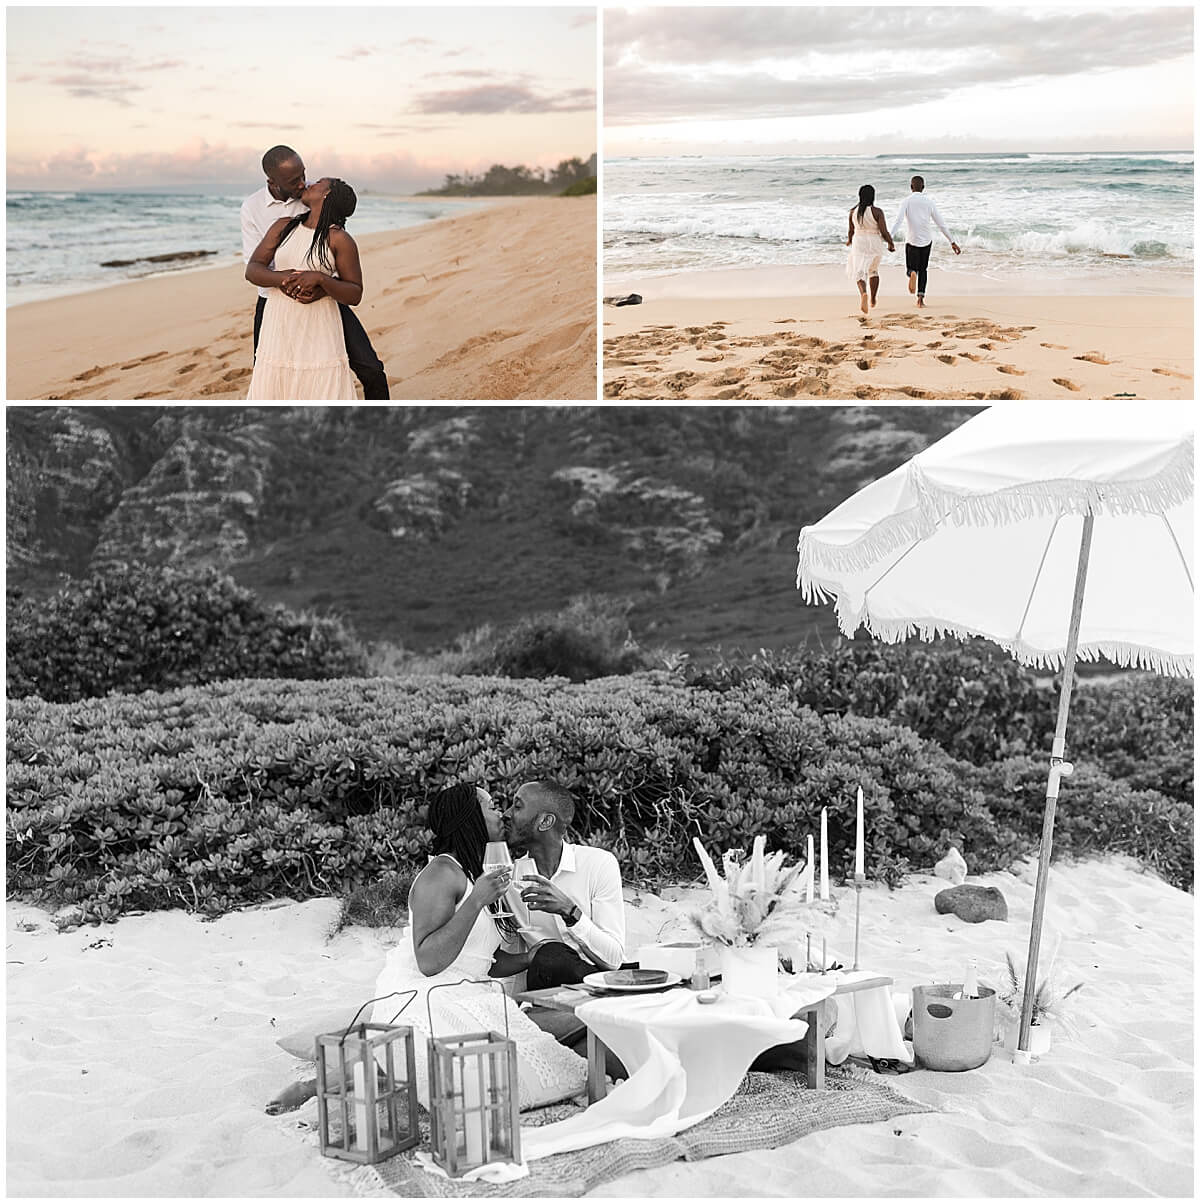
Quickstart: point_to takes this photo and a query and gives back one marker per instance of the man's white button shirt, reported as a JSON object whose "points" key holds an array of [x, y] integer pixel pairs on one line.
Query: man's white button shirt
{"points": [[922, 215], [590, 877], [260, 211]]}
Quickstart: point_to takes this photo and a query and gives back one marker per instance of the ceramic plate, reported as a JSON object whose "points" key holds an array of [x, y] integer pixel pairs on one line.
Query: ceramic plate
{"points": [[624, 980]]}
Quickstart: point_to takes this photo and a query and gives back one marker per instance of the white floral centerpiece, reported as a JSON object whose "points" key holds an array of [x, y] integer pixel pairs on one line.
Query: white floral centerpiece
{"points": [[751, 901], [1050, 1006], [750, 905]]}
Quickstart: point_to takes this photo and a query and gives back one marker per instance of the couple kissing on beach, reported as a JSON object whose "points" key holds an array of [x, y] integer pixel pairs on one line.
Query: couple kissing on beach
{"points": [[868, 232], [307, 340]]}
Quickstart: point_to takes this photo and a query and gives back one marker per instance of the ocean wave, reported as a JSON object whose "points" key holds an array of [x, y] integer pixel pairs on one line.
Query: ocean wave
{"points": [[1086, 238]]}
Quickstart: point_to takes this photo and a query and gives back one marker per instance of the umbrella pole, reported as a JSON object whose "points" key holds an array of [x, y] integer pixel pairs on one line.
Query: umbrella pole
{"points": [[1058, 769]]}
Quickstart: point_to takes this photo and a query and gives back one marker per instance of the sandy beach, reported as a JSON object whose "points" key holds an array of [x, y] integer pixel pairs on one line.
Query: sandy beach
{"points": [[751, 336], [495, 304], [140, 1054]]}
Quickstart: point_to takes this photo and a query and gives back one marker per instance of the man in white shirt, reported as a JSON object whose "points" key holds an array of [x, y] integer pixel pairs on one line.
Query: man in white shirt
{"points": [[922, 214], [280, 197], [566, 897]]}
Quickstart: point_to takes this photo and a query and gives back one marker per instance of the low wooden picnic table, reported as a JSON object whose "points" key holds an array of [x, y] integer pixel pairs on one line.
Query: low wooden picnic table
{"points": [[568, 998]]}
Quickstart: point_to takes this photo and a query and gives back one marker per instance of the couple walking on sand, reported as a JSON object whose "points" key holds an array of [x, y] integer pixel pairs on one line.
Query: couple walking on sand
{"points": [[868, 232], [307, 340]]}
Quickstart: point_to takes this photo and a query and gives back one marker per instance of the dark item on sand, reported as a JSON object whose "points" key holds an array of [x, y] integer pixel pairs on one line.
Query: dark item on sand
{"points": [[974, 904], [628, 299]]}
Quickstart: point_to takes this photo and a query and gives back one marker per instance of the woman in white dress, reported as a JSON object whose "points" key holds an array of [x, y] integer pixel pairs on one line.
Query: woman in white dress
{"points": [[453, 935], [302, 347], [866, 237]]}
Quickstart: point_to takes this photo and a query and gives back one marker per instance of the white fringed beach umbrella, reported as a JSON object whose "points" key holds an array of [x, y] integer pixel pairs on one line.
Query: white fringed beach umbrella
{"points": [[1060, 531]]}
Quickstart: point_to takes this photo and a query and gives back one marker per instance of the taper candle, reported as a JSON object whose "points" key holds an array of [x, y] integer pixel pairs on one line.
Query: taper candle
{"points": [[812, 871], [824, 853], [858, 838]]}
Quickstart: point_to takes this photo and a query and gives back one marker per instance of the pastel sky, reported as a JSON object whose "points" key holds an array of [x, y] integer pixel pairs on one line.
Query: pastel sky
{"points": [[389, 98], [851, 80]]}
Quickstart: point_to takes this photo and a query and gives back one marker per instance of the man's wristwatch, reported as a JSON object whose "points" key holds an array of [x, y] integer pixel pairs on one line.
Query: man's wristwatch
{"points": [[573, 916]]}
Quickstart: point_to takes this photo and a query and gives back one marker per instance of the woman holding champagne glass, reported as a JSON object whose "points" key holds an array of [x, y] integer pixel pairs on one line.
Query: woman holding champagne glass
{"points": [[454, 933]]}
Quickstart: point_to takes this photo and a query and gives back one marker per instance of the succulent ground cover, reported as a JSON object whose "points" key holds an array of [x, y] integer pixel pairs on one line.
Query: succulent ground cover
{"points": [[209, 797]]}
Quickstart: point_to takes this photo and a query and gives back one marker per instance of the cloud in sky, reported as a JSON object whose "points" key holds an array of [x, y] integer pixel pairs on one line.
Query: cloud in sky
{"points": [[670, 65], [505, 98], [108, 95]]}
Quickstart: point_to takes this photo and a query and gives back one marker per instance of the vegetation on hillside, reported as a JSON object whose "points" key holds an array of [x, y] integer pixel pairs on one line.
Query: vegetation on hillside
{"points": [[421, 523], [518, 181]]}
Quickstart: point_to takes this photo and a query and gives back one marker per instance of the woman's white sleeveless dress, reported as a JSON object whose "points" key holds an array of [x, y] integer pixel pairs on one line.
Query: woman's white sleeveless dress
{"points": [[546, 1070], [866, 248], [301, 348]]}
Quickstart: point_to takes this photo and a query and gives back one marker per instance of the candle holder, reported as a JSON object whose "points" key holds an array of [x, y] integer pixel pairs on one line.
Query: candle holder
{"points": [[367, 1091], [474, 1108], [859, 882]]}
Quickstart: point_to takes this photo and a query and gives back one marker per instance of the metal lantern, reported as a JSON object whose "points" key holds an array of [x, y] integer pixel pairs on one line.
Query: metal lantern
{"points": [[474, 1107], [367, 1091]]}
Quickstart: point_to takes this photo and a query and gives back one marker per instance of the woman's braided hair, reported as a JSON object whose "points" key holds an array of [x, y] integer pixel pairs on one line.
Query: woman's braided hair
{"points": [[337, 207]]}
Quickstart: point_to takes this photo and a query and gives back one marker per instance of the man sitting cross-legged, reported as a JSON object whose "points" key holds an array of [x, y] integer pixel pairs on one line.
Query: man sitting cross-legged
{"points": [[566, 897]]}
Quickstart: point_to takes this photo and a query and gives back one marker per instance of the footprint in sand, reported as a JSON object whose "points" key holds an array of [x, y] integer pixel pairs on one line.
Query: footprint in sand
{"points": [[863, 365], [1093, 357], [1172, 372], [145, 359], [987, 347], [1067, 384], [710, 359], [783, 321], [1055, 346], [89, 373], [948, 359], [1009, 370], [185, 368], [236, 373], [975, 359]]}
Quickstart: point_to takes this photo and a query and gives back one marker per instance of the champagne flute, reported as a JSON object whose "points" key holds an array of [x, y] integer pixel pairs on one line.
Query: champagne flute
{"points": [[497, 857]]}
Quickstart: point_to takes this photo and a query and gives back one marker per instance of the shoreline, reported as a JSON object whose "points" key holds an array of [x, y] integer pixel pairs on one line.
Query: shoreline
{"points": [[216, 261], [427, 306], [947, 278], [977, 347]]}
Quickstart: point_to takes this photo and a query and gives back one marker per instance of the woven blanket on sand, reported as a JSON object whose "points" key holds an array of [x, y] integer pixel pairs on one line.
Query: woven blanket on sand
{"points": [[768, 1110]]}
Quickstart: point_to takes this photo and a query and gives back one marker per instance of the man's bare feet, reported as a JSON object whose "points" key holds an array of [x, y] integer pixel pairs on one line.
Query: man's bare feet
{"points": [[912, 282], [291, 1097], [920, 302], [862, 302]]}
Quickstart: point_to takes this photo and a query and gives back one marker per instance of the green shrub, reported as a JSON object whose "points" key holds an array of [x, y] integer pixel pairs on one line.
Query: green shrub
{"points": [[588, 639], [1139, 728], [981, 706], [141, 627], [586, 187], [216, 796]]}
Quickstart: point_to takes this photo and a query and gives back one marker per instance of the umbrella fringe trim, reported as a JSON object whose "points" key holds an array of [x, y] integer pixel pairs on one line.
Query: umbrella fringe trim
{"points": [[1128, 656], [1153, 495]]}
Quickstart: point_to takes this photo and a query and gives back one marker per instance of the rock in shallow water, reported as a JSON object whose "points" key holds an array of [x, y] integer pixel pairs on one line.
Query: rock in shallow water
{"points": [[974, 904]]}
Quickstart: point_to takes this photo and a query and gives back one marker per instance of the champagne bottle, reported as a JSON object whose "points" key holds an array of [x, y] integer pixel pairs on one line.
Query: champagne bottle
{"points": [[971, 980]]}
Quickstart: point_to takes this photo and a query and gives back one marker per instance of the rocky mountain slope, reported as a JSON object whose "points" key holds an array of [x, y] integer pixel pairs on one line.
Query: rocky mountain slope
{"points": [[419, 523]]}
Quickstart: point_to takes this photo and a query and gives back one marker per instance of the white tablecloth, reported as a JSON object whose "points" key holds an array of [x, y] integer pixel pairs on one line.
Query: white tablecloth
{"points": [[866, 1023], [684, 1058]]}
